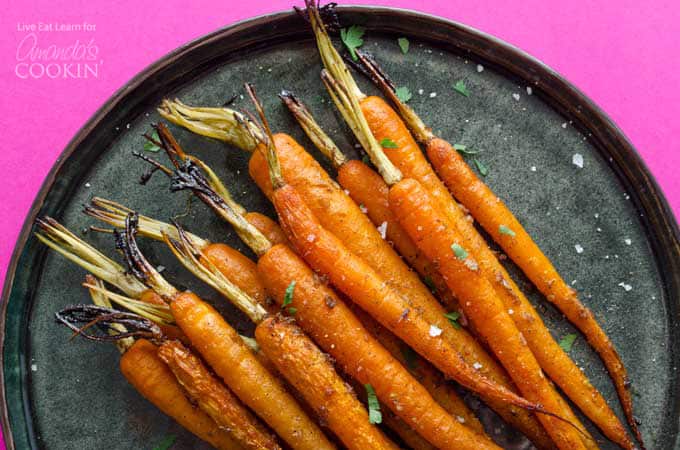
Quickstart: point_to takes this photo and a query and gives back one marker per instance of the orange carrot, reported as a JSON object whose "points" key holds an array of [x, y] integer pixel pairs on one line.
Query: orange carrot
{"points": [[417, 213], [322, 314], [499, 222], [152, 378], [325, 391], [215, 399]]}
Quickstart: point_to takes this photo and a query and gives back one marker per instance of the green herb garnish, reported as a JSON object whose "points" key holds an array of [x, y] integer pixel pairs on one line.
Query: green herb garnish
{"points": [[150, 146], [403, 45], [461, 88], [288, 296], [388, 143], [459, 251], [374, 415], [481, 167], [430, 284], [567, 342], [505, 230], [453, 317], [351, 37], [366, 159], [166, 443], [464, 150], [292, 310], [403, 93]]}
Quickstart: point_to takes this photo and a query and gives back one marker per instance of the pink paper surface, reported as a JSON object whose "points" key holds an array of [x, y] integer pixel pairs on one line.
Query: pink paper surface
{"points": [[622, 53]]}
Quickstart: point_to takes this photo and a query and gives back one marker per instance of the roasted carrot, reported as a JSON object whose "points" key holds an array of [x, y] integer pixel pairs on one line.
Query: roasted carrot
{"points": [[496, 218], [152, 378], [330, 395], [227, 354], [417, 213], [267, 227], [353, 347]]}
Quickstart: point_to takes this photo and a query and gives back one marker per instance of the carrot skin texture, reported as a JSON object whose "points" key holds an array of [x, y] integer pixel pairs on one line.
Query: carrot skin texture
{"points": [[266, 226], [342, 217], [152, 378], [326, 254], [328, 320], [214, 398], [287, 347], [418, 214], [491, 213], [238, 268], [366, 187], [223, 349]]}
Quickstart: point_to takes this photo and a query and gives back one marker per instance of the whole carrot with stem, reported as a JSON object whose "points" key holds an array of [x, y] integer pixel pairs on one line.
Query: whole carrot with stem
{"points": [[338, 332], [350, 274], [345, 219], [505, 229]]}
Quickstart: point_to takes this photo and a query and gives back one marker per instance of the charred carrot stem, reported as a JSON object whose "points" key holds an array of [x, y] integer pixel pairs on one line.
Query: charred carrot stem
{"points": [[505, 229]]}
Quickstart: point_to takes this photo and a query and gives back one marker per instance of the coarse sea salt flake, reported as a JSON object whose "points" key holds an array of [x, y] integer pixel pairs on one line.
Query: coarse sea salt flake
{"points": [[564, 125], [533, 168], [577, 160], [433, 94], [578, 248], [627, 241], [435, 330], [477, 365], [480, 68], [421, 91], [529, 90], [515, 96], [382, 229], [311, 238], [34, 367], [626, 287]]}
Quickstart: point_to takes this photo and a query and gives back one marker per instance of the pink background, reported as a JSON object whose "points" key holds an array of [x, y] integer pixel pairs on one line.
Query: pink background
{"points": [[621, 53]]}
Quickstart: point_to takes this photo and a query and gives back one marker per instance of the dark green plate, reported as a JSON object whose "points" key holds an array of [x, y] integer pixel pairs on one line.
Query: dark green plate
{"points": [[62, 395]]}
